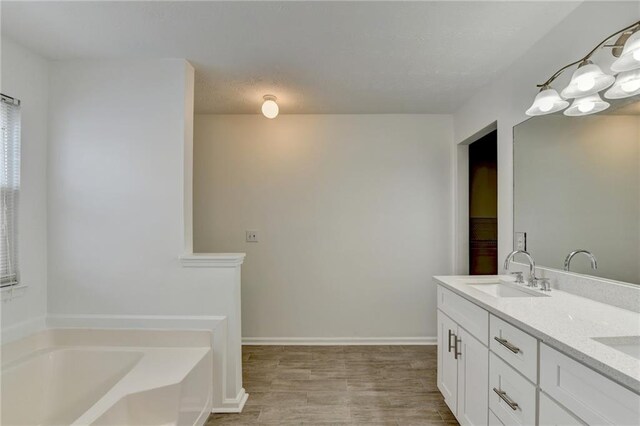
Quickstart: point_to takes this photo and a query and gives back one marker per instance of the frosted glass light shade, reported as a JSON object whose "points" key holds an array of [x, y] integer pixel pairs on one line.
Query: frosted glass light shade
{"points": [[586, 105], [587, 80], [630, 57], [627, 84], [547, 101], [270, 108]]}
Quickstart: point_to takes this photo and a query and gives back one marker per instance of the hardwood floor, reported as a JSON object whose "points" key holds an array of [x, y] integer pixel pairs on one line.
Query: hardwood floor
{"points": [[368, 385]]}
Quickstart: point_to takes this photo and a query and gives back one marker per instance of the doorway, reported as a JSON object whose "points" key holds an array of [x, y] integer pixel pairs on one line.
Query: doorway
{"points": [[483, 205]]}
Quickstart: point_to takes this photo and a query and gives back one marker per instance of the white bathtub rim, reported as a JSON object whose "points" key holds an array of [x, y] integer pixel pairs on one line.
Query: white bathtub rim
{"points": [[124, 388], [227, 360], [17, 362], [172, 342]]}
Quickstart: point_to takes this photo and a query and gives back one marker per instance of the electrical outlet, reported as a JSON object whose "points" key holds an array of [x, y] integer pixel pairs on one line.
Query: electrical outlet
{"points": [[252, 236], [521, 241]]}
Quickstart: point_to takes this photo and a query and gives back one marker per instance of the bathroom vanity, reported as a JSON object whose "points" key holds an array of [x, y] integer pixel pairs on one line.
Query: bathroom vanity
{"points": [[511, 354]]}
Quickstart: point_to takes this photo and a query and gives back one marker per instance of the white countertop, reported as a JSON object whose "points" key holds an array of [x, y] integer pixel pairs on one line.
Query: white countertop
{"points": [[565, 322]]}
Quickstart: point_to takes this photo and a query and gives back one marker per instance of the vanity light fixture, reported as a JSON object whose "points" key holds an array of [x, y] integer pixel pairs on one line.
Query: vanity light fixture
{"points": [[586, 105], [627, 84], [630, 57], [589, 79], [270, 108], [547, 102]]}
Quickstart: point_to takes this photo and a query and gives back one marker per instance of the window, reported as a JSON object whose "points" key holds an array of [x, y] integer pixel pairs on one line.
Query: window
{"points": [[10, 181]]}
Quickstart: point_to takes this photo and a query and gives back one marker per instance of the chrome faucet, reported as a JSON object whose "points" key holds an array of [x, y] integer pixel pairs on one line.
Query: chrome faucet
{"points": [[567, 260], [532, 282]]}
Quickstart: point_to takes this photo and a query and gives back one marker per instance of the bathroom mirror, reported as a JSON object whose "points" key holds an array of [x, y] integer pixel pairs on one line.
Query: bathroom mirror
{"points": [[577, 186]]}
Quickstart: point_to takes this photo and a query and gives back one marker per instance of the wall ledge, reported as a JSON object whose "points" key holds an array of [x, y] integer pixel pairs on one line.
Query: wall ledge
{"points": [[212, 260], [22, 329]]}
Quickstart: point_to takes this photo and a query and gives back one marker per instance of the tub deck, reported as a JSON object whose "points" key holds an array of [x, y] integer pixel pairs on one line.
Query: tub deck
{"points": [[57, 377]]}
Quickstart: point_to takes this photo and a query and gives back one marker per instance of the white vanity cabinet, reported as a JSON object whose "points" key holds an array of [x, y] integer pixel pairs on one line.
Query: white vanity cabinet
{"points": [[493, 373], [462, 359]]}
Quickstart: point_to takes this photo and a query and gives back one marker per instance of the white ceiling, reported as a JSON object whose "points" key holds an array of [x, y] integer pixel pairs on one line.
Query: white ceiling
{"points": [[316, 57]]}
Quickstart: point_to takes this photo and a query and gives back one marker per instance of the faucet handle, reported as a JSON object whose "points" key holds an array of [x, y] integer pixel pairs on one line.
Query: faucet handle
{"points": [[545, 284], [519, 277]]}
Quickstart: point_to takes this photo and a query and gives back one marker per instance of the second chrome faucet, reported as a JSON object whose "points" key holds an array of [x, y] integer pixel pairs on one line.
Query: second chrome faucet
{"points": [[567, 260]]}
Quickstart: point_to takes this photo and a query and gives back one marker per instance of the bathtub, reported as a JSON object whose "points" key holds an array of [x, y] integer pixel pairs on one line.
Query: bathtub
{"points": [[107, 377]]}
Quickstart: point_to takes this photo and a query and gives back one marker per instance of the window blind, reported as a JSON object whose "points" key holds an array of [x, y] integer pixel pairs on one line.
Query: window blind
{"points": [[10, 183]]}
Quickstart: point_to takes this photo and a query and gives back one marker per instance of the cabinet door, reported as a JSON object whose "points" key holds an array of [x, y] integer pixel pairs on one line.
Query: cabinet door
{"points": [[473, 380], [551, 414], [447, 364]]}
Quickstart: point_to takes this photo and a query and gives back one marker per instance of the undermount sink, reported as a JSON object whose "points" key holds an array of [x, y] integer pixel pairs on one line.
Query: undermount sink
{"points": [[506, 289], [629, 345]]}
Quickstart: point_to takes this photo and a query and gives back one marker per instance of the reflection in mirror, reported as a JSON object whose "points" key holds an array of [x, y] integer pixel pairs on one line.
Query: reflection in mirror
{"points": [[577, 186]]}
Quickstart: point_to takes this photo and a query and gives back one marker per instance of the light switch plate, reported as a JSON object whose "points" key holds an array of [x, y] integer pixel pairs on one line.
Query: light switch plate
{"points": [[251, 236], [521, 241]]}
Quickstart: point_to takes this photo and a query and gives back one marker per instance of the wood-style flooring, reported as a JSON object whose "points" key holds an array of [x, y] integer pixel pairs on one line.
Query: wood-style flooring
{"points": [[366, 385]]}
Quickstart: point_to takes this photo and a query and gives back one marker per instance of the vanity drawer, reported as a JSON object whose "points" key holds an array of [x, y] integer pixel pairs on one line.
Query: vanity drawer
{"points": [[471, 317], [517, 405], [589, 395], [514, 346]]}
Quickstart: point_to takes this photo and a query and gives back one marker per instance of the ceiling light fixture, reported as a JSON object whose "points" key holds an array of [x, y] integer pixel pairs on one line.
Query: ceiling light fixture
{"points": [[270, 108], [589, 79]]}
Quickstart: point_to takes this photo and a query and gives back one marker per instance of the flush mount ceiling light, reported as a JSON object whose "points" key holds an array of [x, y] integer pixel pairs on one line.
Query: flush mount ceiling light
{"points": [[630, 56], [586, 105], [270, 107], [589, 79], [547, 102], [627, 84]]}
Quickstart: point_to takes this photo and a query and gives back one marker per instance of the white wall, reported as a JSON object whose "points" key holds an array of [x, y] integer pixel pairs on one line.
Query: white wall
{"points": [[507, 97], [353, 217], [25, 77], [118, 158], [116, 188]]}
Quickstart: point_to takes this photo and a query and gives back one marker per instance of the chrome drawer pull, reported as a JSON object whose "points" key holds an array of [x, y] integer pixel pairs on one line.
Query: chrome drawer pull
{"points": [[450, 336], [505, 398], [506, 344], [456, 354]]}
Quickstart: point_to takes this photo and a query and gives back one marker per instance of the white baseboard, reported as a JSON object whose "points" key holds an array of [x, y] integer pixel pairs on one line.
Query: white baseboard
{"points": [[233, 405], [346, 341]]}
